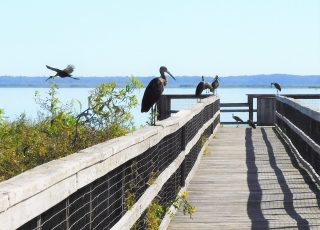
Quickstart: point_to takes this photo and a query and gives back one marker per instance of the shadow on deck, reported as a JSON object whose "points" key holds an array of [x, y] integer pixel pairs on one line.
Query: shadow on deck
{"points": [[249, 180]]}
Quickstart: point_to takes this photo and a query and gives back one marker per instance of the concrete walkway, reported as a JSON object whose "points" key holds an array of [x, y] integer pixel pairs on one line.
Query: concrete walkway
{"points": [[247, 180]]}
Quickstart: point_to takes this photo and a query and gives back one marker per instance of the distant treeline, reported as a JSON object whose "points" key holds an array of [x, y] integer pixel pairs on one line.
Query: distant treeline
{"points": [[285, 80]]}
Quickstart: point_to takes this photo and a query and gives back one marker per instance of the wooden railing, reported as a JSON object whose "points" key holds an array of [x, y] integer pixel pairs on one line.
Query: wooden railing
{"points": [[264, 107], [164, 105], [112, 184], [261, 104], [299, 125]]}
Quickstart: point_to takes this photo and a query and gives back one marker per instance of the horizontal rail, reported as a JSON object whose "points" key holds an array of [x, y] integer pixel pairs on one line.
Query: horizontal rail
{"points": [[305, 164], [303, 96], [295, 96], [185, 96], [236, 110], [234, 104], [233, 123]]}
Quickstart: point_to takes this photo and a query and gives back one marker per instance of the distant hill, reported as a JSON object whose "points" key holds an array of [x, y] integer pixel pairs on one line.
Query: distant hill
{"points": [[284, 80]]}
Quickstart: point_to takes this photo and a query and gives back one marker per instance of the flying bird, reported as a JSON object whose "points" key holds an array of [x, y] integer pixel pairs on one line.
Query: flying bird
{"points": [[276, 85], [153, 92], [62, 73], [202, 86], [215, 83], [251, 124], [237, 119]]}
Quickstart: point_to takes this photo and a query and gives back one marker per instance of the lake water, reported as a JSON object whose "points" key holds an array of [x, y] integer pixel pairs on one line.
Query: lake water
{"points": [[21, 100]]}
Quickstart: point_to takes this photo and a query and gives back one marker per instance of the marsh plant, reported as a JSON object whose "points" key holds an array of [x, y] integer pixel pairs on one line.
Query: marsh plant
{"points": [[60, 130]]}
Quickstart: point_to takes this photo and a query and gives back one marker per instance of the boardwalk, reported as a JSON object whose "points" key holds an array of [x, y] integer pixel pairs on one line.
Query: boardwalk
{"points": [[247, 180]]}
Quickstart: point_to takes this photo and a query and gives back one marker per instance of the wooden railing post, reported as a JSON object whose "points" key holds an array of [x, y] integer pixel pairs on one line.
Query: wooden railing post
{"points": [[250, 102], [163, 107], [183, 164]]}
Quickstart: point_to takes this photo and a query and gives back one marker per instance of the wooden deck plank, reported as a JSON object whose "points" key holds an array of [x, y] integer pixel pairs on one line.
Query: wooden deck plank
{"points": [[247, 180]]}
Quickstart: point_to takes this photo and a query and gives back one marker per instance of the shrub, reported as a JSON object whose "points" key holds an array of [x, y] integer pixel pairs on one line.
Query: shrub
{"points": [[59, 131]]}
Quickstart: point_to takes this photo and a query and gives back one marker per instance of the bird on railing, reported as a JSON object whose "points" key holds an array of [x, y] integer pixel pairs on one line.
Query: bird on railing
{"points": [[237, 119], [202, 86], [276, 85], [215, 84], [251, 124], [62, 73], [153, 93]]}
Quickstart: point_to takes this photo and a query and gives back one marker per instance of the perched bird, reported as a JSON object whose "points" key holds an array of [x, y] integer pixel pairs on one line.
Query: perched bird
{"points": [[202, 86], [215, 83], [251, 123], [62, 73], [154, 91], [276, 85], [237, 119]]}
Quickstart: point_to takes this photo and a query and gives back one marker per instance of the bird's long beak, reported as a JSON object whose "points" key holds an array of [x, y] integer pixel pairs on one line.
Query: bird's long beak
{"points": [[170, 75]]}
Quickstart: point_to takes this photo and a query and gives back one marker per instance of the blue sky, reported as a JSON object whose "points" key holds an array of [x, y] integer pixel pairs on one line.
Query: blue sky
{"points": [[190, 37]]}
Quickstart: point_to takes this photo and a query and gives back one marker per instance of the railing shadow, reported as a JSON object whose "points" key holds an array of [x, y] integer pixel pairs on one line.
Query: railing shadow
{"points": [[254, 210], [255, 196], [288, 195], [306, 177]]}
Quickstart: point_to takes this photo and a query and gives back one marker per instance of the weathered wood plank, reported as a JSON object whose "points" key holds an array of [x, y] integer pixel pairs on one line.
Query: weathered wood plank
{"points": [[247, 180]]}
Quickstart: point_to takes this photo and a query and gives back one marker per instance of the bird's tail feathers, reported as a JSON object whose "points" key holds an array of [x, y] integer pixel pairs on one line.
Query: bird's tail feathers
{"points": [[50, 77]]}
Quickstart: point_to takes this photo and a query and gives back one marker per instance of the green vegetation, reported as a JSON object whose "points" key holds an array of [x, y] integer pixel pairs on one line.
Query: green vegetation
{"points": [[156, 211], [60, 130], [154, 215]]}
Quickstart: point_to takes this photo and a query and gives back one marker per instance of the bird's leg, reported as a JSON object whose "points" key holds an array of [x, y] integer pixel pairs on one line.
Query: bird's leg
{"points": [[152, 114], [155, 113]]}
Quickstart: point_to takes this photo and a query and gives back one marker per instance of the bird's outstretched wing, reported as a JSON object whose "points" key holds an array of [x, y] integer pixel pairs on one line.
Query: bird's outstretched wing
{"points": [[69, 69], [54, 69]]}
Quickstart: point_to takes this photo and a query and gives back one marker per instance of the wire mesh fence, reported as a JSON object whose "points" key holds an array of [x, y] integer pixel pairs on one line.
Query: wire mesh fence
{"points": [[308, 125], [102, 203]]}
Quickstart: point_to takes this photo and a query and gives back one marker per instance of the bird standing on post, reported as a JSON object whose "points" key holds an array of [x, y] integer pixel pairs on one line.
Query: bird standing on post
{"points": [[153, 93], [251, 124], [237, 119], [202, 86], [62, 73], [276, 85], [215, 83]]}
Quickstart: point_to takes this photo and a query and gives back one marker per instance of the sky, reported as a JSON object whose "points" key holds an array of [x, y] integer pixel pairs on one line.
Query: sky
{"points": [[190, 37]]}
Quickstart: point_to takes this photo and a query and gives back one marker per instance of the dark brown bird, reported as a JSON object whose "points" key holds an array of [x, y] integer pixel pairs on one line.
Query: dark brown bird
{"points": [[154, 91], [215, 84], [62, 73], [237, 119], [202, 86], [251, 124], [276, 85]]}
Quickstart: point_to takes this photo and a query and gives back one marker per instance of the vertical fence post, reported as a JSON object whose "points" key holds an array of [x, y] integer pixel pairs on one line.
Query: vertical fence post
{"points": [[163, 107], [39, 222], [183, 164], [90, 207], [250, 102], [67, 213]]}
